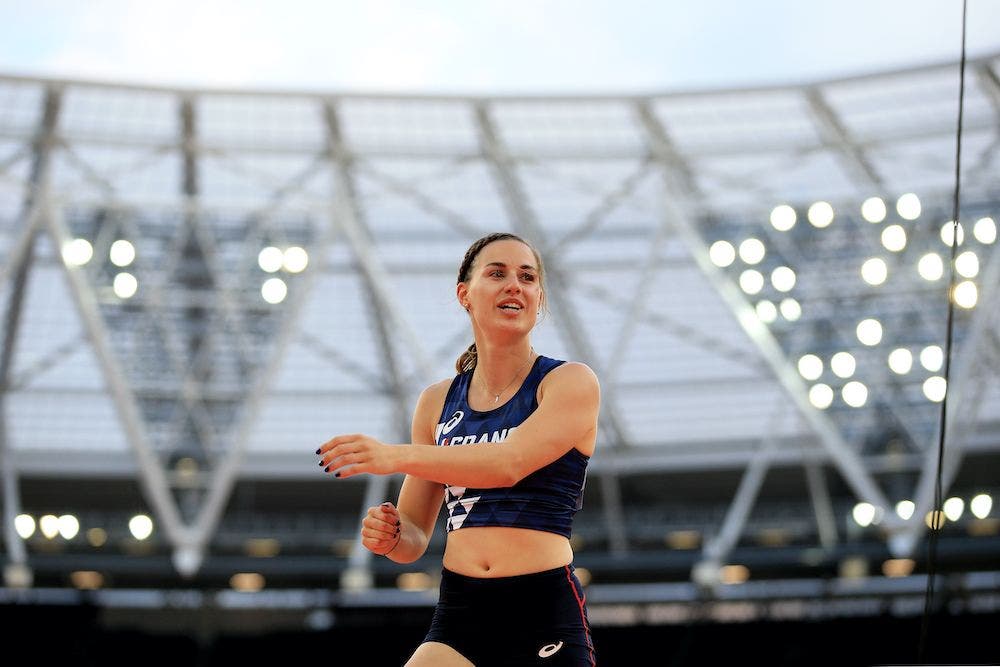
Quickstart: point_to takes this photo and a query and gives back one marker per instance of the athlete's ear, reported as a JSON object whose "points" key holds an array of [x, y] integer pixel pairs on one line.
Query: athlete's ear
{"points": [[462, 293]]}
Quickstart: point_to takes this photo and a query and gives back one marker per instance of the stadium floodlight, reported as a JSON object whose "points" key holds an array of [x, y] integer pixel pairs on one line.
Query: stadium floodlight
{"points": [[908, 206], [901, 361], [752, 251], [821, 395], [77, 252], [247, 582], [935, 387], [125, 285], [86, 580], [783, 217], [905, 509], [869, 331], [873, 210], [270, 259], [810, 366], [97, 537], [24, 524], [894, 238], [767, 312], [949, 230], [69, 526], [932, 358], [274, 290], [874, 271], [898, 567], [820, 214], [967, 264], [863, 514], [722, 254], [783, 279], [790, 309], [966, 294], [141, 526], [296, 259], [934, 519], [981, 505], [985, 231], [49, 525], [843, 364], [734, 574], [930, 267], [121, 253], [751, 281], [953, 508], [855, 394]]}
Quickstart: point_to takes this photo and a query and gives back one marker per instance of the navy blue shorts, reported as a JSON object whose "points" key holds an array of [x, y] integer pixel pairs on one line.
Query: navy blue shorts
{"points": [[531, 619]]}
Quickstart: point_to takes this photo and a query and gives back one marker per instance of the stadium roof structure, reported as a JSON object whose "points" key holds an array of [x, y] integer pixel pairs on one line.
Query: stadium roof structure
{"points": [[201, 286]]}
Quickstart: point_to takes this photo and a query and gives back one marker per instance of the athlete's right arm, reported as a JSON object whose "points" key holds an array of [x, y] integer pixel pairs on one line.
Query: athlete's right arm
{"points": [[419, 500]]}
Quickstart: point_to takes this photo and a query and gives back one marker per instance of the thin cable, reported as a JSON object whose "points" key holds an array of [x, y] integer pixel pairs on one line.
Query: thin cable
{"points": [[936, 512]]}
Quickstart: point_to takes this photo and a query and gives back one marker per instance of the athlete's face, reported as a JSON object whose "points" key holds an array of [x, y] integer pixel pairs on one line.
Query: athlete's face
{"points": [[504, 290]]}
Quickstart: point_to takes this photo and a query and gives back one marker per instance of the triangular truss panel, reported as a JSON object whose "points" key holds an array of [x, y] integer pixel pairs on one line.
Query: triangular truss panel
{"points": [[330, 371], [57, 400]]}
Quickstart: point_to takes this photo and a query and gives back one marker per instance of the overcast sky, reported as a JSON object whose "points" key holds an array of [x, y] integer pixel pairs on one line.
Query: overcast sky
{"points": [[484, 46]]}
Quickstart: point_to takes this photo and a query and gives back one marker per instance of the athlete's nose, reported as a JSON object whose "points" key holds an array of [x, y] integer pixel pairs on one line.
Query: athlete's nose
{"points": [[513, 285]]}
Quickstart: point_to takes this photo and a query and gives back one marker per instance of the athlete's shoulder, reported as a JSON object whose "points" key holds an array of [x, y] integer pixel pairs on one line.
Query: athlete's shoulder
{"points": [[573, 373], [427, 412], [437, 392]]}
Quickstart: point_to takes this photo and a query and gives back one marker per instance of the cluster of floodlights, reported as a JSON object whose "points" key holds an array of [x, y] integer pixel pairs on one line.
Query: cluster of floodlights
{"points": [[865, 514], [67, 526], [78, 252], [875, 272], [293, 259]]}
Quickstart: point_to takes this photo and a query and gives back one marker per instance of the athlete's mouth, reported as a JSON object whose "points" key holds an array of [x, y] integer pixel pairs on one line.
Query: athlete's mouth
{"points": [[511, 305]]}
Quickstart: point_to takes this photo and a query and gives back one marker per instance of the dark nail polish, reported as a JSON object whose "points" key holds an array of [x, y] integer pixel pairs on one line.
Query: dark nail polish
{"points": [[336, 474], [398, 523], [321, 463], [317, 450], [326, 469]]}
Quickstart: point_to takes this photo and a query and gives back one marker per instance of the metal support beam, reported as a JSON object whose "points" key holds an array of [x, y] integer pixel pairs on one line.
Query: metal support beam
{"points": [[224, 475], [525, 221], [677, 209], [152, 479], [387, 317], [454, 220], [857, 164], [719, 547], [608, 203], [819, 495], [19, 266], [990, 83], [969, 383], [16, 553]]}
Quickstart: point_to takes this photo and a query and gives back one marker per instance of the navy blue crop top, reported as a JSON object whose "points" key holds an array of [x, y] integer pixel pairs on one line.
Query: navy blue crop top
{"points": [[546, 499]]}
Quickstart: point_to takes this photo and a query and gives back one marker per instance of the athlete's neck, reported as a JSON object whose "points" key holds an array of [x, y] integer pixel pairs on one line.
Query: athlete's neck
{"points": [[498, 370]]}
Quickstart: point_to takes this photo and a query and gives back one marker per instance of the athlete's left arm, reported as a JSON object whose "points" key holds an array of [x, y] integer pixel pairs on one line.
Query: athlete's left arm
{"points": [[566, 417]]}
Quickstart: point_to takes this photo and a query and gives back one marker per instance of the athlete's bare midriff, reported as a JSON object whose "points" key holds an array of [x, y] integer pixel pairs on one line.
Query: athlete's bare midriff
{"points": [[496, 551]]}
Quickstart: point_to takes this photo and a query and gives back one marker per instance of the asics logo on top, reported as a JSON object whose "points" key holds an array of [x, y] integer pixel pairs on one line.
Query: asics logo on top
{"points": [[450, 425], [549, 650]]}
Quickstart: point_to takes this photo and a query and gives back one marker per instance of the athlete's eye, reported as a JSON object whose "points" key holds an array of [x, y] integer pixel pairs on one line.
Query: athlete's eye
{"points": [[496, 273], [528, 277]]}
